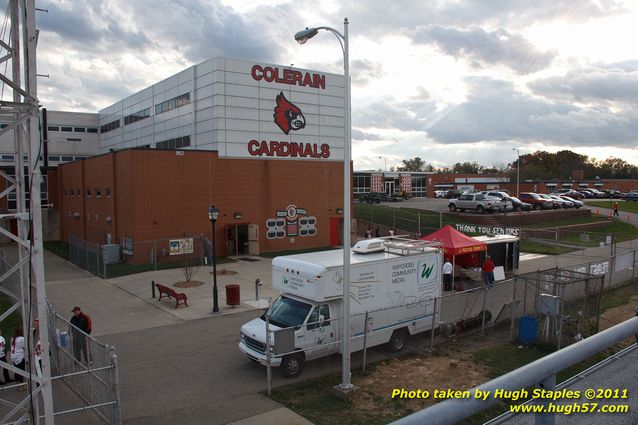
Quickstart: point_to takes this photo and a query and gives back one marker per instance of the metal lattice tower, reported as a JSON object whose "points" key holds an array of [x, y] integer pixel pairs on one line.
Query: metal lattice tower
{"points": [[21, 114]]}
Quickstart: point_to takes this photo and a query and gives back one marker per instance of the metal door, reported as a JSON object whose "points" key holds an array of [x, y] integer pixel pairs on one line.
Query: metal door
{"points": [[253, 239]]}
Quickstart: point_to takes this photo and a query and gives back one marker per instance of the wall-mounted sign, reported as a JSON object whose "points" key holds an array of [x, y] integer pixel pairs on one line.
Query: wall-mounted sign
{"points": [[180, 246], [291, 222]]}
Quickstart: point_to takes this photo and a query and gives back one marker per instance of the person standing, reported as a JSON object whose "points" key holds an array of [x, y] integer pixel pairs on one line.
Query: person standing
{"points": [[3, 357], [616, 208], [369, 233], [17, 353], [208, 249], [488, 271], [377, 232], [447, 275], [81, 326], [391, 232]]}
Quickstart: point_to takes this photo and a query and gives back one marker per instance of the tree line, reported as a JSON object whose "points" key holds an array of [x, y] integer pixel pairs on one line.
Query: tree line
{"points": [[539, 165]]}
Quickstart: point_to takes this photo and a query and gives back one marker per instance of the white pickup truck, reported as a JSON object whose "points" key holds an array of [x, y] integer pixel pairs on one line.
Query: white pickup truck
{"points": [[394, 281]]}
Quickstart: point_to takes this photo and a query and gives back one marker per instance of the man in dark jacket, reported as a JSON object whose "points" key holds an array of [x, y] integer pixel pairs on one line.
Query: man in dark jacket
{"points": [[79, 321]]}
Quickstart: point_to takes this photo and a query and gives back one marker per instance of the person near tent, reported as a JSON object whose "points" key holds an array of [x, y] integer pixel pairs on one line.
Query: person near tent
{"points": [[369, 233], [447, 275], [616, 208], [488, 271]]}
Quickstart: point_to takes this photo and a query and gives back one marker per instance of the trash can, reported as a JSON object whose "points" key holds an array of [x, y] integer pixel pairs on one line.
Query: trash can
{"points": [[527, 328], [232, 295]]}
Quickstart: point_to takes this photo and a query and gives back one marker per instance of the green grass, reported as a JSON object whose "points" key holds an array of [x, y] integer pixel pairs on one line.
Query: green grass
{"points": [[626, 206], [534, 247], [59, 248], [567, 222], [125, 269], [298, 251], [10, 323], [403, 219]]}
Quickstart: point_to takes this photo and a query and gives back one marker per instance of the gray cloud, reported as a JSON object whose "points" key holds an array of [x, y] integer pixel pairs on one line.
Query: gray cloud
{"points": [[387, 114], [483, 48], [363, 135], [495, 111], [363, 71], [374, 16], [590, 85]]}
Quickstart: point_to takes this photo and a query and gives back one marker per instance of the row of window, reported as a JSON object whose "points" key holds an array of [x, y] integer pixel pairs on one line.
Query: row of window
{"points": [[172, 103], [110, 126], [69, 129], [12, 202], [167, 105], [140, 115], [52, 158], [176, 143], [99, 192]]}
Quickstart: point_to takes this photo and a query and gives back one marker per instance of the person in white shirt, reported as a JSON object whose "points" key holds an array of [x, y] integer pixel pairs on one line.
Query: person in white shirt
{"points": [[17, 351], [447, 275], [3, 357]]}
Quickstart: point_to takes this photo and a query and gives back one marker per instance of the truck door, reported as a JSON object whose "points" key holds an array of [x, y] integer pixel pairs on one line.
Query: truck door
{"points": [[320, 332]]}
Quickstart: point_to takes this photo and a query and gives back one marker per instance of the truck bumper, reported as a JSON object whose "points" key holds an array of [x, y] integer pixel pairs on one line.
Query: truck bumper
{"points": [[258, 357]]}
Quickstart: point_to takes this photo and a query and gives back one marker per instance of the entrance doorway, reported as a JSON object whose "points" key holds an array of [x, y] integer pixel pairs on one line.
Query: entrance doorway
{"points": [[236, 240], [389, 187], [336, 230]]}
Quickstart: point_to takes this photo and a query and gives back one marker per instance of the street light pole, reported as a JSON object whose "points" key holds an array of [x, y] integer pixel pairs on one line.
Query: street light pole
{"points": [[518, 171], [213, 213], [301, 37]]}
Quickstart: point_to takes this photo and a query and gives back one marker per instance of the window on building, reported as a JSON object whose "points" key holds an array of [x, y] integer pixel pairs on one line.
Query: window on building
{"points": [[176, 102], [361, 184], [54, 158], [67, 129], [107, 191], [98, 192], [53, 128], [91, 130], [88, 192], [419, 186], [4, 125], [12, 202], [176, 143], [73, 139], [140, 115], [66, 159], [110, 126], [7, 158], [79, 129]]}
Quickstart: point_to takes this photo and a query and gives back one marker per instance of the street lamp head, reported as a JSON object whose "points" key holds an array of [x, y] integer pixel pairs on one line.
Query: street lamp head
{"points": [[305, 35], [213, 213]]}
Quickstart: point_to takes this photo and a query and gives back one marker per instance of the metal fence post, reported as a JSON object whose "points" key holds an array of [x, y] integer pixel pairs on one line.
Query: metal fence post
{"points": [[483, 312], [633, 267], [365, 340], [117, 412], [512, 308], [434, 308], [268, 357]]}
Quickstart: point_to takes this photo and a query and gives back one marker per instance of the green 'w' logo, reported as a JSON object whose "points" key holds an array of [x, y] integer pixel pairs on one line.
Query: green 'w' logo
{"points": [[427, 271]]}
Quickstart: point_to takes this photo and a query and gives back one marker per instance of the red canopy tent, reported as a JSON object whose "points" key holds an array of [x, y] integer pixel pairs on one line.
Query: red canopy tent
{"points": [[458, 244]]}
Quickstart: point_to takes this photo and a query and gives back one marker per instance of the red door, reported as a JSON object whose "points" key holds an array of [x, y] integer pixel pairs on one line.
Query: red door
{"points": [[335, 240]]}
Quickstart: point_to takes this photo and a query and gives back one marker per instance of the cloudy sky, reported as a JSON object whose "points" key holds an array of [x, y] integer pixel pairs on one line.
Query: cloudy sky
{"points": [[449, 81]]}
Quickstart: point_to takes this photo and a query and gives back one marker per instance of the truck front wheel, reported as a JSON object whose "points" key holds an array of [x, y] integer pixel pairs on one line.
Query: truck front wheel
{"points": [[291, 365], [398, 340]]}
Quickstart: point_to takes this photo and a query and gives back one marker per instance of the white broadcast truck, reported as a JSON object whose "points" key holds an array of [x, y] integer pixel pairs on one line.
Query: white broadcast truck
{"points": [[395, 281]]}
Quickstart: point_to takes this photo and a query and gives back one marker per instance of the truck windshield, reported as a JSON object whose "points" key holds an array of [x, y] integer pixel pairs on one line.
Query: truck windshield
{"points": [[286, 312]]}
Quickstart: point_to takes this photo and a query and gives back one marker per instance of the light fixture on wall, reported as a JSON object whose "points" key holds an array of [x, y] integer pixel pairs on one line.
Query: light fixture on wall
{"points": [[237, 215], [339, 210]]}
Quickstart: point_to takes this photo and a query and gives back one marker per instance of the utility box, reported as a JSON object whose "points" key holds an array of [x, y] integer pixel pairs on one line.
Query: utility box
{"points": [[111, 253], [550, 305], [232, 295]]}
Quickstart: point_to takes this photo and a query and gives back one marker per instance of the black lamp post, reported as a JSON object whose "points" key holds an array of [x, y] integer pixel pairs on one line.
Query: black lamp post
{"points": [[213, 213]]}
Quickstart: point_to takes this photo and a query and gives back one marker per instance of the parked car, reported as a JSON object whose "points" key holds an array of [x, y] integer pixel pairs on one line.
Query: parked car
{"points": [[537, 202], [612, 193], [450, 194], [597, 193], [555, 204], [519, 205], [630, 196], [576, 202], [587, 193], [475, 201], [571, 193], [439, 193], [395, 197], [563, 202]]}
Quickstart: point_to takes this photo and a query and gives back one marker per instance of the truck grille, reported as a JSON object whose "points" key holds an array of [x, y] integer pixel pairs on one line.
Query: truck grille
{"points": [[254, 344]]}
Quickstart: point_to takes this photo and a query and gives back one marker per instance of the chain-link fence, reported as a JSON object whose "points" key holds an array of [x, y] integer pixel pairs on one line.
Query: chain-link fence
{"points": [[112, 260], [565, 304], [84, 371], [88, 369]]}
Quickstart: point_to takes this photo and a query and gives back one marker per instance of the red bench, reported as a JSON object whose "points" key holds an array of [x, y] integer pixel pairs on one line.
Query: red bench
{"points": [[165, 291]]}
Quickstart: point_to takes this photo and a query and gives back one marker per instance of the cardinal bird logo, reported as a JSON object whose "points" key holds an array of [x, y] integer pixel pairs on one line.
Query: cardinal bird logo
{"points": [[287, 115]]}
